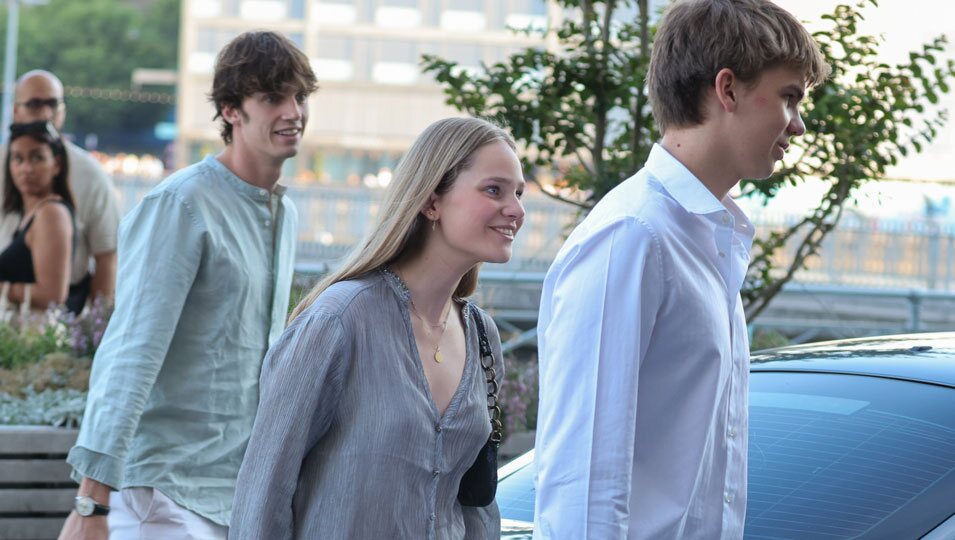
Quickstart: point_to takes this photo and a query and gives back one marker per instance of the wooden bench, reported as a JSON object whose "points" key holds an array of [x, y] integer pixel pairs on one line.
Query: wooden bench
{"points": [[36, 491]]}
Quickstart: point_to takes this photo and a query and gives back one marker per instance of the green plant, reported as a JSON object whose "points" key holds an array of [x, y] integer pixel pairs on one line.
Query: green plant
{"points": [[578, 108], [23, 343]]}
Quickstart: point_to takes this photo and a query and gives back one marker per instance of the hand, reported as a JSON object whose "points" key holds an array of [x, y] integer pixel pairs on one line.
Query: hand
{"points": [[78, 527]]}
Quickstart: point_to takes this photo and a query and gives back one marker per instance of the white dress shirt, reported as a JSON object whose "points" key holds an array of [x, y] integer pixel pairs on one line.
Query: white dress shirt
{"points": [[642, 426]]}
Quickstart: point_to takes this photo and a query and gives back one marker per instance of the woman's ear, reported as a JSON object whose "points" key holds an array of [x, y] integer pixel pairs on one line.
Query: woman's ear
{"points": [[430, 209]]}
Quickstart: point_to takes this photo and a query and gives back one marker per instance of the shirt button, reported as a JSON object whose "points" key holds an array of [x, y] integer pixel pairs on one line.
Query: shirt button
{"points": [[263, 192], [731, 433], [432, 517], [722, 254], [726, 219], [268, 222], [728, 498], [435, 472], [437, 428]]}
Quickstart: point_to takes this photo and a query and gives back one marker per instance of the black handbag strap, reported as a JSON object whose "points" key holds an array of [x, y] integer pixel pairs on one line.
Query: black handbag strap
{"points": [[490, 376]]}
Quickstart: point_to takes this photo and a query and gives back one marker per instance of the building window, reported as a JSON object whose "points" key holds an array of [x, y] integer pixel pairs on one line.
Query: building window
{"points": [[334, 13], [396, 62], [333, 59], [523, 14]]}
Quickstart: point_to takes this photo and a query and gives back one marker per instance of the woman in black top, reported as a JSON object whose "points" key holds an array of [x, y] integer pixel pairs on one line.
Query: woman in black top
{"points": [[36, 188]]}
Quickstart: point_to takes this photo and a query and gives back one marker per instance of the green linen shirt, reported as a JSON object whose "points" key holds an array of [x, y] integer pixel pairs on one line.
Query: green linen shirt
{"points": [[203, 291]]}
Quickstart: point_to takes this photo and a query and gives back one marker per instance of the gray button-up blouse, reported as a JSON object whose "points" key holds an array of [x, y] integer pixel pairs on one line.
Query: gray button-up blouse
{"points": [[347, 442]]}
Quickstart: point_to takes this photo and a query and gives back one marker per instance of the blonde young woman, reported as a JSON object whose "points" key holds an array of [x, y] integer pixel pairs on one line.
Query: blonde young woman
{"points": [[373, 403]]}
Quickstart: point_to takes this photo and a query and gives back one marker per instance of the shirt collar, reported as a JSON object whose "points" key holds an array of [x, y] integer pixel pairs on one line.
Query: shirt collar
{"points": [[685, 188], [240, 185]]}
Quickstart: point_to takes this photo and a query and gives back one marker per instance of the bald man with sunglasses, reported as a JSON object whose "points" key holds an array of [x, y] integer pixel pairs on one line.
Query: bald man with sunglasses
{"points": [[39, 97]]}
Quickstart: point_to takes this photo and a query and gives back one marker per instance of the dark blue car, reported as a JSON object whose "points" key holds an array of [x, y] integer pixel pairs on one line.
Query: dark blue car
{"points": [[848, 439]]}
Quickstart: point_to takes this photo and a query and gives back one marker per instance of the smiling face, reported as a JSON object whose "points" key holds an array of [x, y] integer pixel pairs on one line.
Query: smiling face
{"points": [[767, 117], [269, 125], [482, 212], [33, 167]]}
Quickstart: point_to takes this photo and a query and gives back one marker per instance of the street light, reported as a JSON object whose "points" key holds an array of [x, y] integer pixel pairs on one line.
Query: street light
{"points": [[10, 60]]}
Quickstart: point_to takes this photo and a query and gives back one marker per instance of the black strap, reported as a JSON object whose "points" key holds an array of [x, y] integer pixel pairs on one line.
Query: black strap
{"points": [[490, 375]]}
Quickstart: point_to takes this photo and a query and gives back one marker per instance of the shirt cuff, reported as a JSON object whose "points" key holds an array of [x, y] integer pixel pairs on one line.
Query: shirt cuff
{"points": [[103, 468]]}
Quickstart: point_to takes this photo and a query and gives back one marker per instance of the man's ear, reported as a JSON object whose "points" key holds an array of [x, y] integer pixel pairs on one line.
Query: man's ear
{"points": [[231, 114], [726, 85]]}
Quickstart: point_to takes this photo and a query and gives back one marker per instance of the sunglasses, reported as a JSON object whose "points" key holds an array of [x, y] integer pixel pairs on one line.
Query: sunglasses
{"points": [[35, 104], [41, 129]]}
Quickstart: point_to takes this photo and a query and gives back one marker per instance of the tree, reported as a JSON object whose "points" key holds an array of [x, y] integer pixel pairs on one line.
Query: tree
{"points": [[96, 44], [581, 108]]}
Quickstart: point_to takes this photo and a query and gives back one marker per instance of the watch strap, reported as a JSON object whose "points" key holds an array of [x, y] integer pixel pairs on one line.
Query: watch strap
{"points": [[85, 500]]}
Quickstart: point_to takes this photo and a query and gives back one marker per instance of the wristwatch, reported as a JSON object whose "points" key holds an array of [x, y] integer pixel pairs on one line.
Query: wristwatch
{"points": [[86, 507]]}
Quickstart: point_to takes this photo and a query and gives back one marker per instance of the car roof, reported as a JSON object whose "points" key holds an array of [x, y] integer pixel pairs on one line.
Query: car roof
{"points": [[928, 358]]}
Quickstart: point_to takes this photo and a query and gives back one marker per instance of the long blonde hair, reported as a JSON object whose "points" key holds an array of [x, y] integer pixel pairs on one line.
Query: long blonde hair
{"points": [[431, 165]]}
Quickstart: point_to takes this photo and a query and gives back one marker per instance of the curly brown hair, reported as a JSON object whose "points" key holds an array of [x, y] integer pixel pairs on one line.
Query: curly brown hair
{"points": [[258, 61]]}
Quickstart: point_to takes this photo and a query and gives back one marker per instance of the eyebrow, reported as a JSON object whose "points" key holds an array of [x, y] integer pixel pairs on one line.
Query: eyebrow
{"points": [[501, 180], [796, 89]]}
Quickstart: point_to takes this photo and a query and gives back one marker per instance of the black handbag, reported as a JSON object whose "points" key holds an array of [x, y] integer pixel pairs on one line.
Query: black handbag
{"points": [[479, 483]]}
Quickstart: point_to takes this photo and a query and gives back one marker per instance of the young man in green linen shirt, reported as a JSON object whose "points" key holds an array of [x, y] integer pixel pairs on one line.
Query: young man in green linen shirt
{"points": [[205, 269]]}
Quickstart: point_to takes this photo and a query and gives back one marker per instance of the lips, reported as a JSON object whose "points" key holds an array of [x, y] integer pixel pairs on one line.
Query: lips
{"points": [[780, 150], [289, 132], [508, 231]]}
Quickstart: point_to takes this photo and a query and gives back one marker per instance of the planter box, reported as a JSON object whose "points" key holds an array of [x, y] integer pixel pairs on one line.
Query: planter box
{"points": [[36, 491]]}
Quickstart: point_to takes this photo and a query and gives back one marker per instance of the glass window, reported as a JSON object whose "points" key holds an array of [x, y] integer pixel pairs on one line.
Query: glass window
{"points": [[206, 40], [296, 9], [836, 456], [466, 54], [393, 50], [832, 456], [466, 5], [297, 38], [334, 47], [528, 7], [515, 495]]}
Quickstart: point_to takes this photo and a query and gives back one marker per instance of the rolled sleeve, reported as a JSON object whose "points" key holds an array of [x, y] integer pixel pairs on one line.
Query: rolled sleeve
{"points": [[160, 253], [600, 302]]}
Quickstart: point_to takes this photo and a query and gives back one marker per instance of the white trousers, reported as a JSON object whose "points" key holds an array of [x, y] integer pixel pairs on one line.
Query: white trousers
{"points": [[144, 513]]}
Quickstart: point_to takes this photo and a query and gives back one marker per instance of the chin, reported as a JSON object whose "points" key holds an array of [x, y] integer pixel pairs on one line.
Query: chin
{"points": [[499, 258]]}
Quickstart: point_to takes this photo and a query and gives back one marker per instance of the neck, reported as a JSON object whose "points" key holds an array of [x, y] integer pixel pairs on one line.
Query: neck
{"points": [[255, 172], [30, 202], [431, 282], [708, 161]]}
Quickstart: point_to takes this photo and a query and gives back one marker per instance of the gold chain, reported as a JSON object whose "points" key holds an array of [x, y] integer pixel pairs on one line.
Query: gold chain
{"points": [[443, 326]]}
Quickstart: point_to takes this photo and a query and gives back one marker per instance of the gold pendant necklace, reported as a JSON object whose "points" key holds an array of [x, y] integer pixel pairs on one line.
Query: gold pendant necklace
{"points": [[443, 326]]}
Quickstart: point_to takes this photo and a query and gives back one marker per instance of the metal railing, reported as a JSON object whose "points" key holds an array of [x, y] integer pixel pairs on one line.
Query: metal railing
{"points": [[860, 252], [887, 263]]}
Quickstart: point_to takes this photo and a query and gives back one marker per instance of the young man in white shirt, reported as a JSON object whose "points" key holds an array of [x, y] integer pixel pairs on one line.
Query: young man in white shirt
{"points": [[642, 427]]}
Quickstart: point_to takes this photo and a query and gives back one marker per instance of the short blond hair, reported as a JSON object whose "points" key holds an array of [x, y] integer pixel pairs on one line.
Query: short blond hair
{"points": [[698, 38]]}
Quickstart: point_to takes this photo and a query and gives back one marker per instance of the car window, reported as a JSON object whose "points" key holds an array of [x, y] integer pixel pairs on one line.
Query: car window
{"points": [[832, 456], [837, 456], [515, 495]]}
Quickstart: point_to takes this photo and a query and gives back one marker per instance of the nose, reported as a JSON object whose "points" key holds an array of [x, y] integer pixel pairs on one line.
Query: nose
{"points": [[796, 125], [293, 110], [514, 209]]}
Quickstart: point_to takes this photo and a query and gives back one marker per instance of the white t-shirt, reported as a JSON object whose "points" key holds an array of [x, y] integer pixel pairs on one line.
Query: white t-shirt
{"points": [[97, 210]]}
